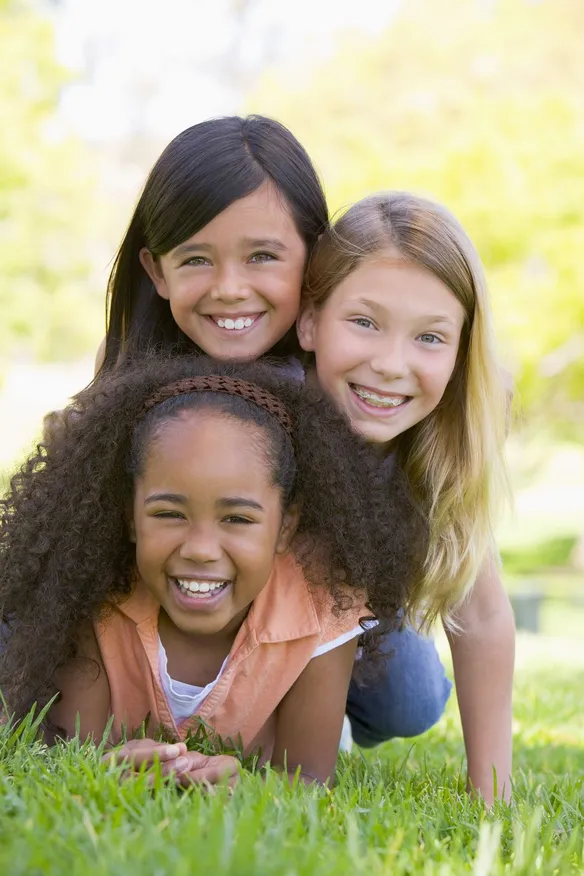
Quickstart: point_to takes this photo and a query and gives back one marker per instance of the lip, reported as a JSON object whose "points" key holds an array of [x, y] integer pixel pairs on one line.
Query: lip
{"points": [[250, 315], [381, 392], [372, 410], [205, 604]]}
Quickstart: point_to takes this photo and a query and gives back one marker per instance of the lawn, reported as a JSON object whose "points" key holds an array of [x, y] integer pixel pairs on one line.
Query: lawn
{"points": [[399, 810]]}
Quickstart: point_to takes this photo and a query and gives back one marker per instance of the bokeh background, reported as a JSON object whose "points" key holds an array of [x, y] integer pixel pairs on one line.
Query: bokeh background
{"points": [[479, 103]]}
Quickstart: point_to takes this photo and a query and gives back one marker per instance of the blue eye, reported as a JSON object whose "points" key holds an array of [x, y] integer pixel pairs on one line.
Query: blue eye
{"points": [[429, 338], [363, 322]]}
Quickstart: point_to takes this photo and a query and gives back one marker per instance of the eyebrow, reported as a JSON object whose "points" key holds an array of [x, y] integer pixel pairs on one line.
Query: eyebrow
{"points": [[230, 501], [439, 317], [226, 502], [267, 242], [189, 248], [251, 242], [374, 305], [177, 498]]}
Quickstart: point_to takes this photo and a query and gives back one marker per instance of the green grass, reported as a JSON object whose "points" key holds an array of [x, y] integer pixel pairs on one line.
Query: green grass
{"points": [[524, 559], [399, 810]]}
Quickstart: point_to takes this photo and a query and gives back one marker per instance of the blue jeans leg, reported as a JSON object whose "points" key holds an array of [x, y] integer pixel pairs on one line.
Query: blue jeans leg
{"points": [[406, 698]]}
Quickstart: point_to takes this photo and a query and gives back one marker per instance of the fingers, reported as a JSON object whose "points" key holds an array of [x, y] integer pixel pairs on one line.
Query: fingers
{"points": [[209, 771], [144, 752], [187, 767]]}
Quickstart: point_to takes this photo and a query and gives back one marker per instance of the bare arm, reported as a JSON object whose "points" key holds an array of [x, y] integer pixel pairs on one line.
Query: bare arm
{"points": [[310, 717], [483, 654], [85, 690]]}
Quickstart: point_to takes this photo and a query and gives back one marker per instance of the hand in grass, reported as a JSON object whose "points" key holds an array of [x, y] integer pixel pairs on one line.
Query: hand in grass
{"points": [[138, 753], [188, 767], [209, 770]]}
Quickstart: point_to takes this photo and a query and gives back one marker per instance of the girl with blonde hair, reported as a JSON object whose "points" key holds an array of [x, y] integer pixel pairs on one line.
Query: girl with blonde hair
{"points": [[397, 320]]}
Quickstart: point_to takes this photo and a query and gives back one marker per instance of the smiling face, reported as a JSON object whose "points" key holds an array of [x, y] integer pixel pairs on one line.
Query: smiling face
{"points": [[207, 520], [234, 286], [385, 344]]}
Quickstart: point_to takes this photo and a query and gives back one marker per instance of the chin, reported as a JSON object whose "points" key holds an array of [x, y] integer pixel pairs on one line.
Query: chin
{"points": [[380, 437]]}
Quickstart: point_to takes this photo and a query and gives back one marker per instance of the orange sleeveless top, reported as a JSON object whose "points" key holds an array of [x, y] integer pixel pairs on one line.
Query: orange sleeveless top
{"points": [[285, 625]]}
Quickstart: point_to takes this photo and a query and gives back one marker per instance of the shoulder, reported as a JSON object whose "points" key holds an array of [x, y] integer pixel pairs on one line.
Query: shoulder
{"points": [[290, 607], [337, 609], [84, 689]]}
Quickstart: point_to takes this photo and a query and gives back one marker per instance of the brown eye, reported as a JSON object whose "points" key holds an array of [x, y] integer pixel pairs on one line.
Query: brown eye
{"points": [[260, 257], [197, 261], [236, 518]]}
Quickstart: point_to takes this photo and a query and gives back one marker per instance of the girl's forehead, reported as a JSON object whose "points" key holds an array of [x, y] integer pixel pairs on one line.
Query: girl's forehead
{"points": [[205, 439], [264, 213], [392, 280]]}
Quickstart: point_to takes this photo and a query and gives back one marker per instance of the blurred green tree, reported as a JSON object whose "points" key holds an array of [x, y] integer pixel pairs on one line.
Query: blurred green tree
{"points": [[479, 103], [50, 306]]}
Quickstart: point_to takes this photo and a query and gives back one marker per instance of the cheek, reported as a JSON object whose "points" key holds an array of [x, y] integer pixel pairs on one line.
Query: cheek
{"points": [[437, 377], [339, 349], [286, 295], [152, 542], [185, 290]]}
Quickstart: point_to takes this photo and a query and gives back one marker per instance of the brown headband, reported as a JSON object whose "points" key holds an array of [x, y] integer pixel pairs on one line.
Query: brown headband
{"points": [[230, 385]]}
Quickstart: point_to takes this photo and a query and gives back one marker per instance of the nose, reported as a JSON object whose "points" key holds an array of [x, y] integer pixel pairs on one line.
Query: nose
{"points": [[230, 286], [389, 358], [201, 545]]}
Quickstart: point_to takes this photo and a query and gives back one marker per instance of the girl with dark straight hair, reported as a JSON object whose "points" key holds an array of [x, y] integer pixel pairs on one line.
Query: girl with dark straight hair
{"points": [[175, 284]]}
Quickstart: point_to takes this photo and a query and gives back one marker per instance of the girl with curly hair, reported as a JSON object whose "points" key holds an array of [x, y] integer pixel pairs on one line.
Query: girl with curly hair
{"points": [[397, 323], [196, 541]]}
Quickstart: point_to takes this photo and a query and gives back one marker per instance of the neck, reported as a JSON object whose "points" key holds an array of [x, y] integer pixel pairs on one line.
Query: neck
{"points": [[221, 640], [196, 658]]}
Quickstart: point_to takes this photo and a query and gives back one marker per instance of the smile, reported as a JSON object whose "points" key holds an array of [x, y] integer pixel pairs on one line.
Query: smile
{"points": [[378, 400], [236, 323], [200, 589]]}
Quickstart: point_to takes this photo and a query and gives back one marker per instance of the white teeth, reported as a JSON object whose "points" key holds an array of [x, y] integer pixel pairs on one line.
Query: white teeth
{"points": [[380, 401], [235, 324], [203, 587]]}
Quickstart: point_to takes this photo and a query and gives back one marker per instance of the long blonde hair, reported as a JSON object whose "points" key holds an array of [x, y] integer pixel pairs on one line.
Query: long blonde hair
{"points": [[454, 457]]}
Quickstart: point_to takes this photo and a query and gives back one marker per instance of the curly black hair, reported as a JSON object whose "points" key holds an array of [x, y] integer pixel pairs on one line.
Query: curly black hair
{"points": [[65, 551]]}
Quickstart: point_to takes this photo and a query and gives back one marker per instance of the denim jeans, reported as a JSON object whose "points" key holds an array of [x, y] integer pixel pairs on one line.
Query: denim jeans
{"points": [[406, 698]]}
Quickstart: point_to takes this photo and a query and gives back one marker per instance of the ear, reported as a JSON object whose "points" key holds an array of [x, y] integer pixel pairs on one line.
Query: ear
{"points": [[288, 529], [152, 267], [306, 328]]}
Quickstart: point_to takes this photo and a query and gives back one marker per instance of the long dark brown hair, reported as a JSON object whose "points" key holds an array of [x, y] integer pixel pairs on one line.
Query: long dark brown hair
{"points": [[200, 173]]}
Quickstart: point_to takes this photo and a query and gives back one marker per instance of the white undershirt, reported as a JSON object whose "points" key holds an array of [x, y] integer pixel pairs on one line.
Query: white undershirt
{"points": [[185, 699]]}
